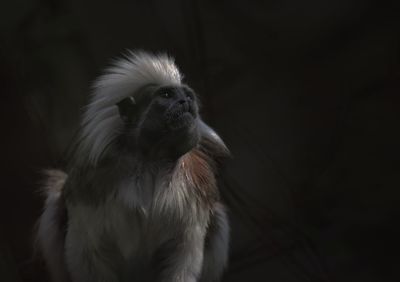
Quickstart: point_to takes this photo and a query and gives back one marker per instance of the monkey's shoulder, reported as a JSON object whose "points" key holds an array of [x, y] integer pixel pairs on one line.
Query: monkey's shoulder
{"points": [[199, 169]]}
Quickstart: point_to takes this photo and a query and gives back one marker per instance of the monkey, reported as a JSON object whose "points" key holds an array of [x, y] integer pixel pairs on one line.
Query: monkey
{"points": [[138, 200]]}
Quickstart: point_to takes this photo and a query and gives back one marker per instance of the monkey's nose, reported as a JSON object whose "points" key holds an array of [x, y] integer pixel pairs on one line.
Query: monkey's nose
{"points": [[184, 103]]}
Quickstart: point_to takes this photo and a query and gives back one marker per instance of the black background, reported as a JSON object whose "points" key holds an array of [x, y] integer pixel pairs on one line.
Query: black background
{"points": [[305, 94]]}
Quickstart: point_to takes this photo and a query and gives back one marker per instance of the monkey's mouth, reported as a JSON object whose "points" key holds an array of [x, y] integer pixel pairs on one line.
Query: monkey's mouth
{"points": [[179, 119]]}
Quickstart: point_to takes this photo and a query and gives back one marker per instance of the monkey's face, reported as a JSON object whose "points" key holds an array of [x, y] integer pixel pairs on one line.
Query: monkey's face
{"points": [[163, 122]]}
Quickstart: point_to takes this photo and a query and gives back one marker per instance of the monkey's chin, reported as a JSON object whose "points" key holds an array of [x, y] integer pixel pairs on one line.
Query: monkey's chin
{"points": [[182, 121]]}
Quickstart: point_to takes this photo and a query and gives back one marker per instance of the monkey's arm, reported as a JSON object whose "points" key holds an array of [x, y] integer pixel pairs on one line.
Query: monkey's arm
{"points": [[216, 246], [184, 262]]}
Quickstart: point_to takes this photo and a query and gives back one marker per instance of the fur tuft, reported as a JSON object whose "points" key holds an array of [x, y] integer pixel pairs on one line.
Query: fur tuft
{"points": [[54, 183], [101, 121], [52, 224]]}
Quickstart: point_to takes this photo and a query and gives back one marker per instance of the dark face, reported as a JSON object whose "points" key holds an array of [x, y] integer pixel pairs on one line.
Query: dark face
{"points": [[162, 122]]}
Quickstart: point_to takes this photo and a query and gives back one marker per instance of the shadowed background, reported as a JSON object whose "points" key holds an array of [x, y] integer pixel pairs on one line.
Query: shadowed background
{"points": [[305, 94]]}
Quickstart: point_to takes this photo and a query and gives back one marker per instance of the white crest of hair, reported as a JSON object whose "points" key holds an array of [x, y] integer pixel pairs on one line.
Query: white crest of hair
{"points": [[101, 121]]}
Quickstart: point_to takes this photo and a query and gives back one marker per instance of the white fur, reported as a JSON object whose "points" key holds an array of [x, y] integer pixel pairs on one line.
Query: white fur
{"points": [[172, 208], [101, 121], [85, 252]]}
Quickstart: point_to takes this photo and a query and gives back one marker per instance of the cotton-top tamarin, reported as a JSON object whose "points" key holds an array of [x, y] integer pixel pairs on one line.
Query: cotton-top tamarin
{"points": [[139, 199]]}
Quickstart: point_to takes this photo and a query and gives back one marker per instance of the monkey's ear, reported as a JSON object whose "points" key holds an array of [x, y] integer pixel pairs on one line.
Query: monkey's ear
{"points": [[126, 108]]}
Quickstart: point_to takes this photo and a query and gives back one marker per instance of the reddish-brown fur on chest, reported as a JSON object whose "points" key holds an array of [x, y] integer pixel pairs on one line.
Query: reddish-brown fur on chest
{"points": [[198, 168]]}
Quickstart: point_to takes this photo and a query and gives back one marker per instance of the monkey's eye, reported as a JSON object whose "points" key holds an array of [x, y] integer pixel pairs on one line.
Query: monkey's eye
{"points": [[165, 94]]}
